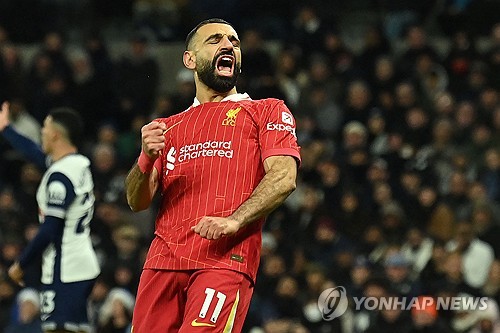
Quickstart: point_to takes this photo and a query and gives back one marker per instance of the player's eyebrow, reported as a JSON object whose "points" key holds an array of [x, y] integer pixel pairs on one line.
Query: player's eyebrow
{"points": [[219, 36]]}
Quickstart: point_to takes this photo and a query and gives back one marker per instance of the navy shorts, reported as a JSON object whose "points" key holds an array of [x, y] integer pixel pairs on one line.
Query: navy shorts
{"points": [[64, 306]]}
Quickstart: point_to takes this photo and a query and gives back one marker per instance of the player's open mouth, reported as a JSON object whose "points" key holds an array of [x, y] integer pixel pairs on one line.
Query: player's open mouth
{"points": [[225, 65]]}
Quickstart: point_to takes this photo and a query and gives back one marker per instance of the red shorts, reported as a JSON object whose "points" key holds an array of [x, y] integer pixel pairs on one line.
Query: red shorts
{"points": [[208, 300]]}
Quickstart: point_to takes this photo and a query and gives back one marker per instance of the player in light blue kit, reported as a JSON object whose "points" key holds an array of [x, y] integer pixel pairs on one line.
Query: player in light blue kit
{"points": [[66, 203]]}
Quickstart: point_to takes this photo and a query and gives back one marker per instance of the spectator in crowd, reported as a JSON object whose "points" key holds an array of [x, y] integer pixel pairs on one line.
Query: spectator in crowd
{"points": [[27, 313], [476, 255], [135, 81], [417, 250], [115, 315]]}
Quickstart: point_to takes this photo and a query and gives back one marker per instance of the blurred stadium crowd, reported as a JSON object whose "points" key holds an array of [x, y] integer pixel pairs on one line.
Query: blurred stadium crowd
{"points": [[399, 190]]}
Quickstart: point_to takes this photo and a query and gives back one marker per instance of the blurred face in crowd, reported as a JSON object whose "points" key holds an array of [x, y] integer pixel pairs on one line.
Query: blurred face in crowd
{"points": [[477, 191], [104, 157], [481, 219], [416, 38], [217, 55], [360, 274], [416, 118], [489, 98], [358, 95], [444, 104], [464, 235], [376, 124], [330, 173], [397, 273], [494, 275], [405, 95], [442, 131], [374, 290], [53, 42], [28, 311], [427, 196], [414, 237], [458, 183], [287, 287], [465, 115], [492, 159], [382, 193], [453, 265]]}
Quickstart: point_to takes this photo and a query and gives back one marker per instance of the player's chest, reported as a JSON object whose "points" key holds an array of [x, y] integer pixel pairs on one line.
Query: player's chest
{"points": [[213, 135]]}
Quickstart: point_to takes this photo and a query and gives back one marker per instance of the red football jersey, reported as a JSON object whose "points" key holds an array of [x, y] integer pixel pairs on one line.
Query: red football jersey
{"points": [[211, 164]]}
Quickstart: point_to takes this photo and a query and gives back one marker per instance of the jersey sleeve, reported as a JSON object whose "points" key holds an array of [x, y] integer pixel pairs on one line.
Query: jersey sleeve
{"points": [[60, 194], [49, 232], [277, 132], [26, 146]]}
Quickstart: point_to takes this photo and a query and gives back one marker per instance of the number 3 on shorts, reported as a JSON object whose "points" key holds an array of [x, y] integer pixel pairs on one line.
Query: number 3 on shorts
{"points": [[48, 304], [221, 298]]}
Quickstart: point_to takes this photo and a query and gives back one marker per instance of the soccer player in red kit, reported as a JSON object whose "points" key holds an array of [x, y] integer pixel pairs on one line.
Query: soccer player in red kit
{"points": [[220, 166]]}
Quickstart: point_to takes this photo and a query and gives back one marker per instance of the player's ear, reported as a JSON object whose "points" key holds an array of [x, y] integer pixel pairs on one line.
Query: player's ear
{"points": [[189, 60]]}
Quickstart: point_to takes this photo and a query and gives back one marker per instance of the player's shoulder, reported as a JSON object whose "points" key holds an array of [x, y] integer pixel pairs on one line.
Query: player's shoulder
{"points": [[72, 164], [263, 102], [265, 105], [171, 119]]}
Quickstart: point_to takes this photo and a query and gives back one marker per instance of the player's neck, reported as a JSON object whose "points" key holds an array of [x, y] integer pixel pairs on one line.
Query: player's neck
{"points": [[209, 95], [62, 150]]}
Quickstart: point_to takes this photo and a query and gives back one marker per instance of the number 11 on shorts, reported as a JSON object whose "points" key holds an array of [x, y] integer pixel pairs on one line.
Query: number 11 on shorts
{"points": [[221, 298]]}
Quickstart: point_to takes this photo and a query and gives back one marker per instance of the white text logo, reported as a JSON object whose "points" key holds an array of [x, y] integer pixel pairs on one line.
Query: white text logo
{"points": [[455, 303], [333, 302], [206, 149], [281, 128]]}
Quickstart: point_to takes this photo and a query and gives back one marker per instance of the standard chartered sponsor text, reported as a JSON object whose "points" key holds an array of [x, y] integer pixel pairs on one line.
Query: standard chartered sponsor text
{"points": [[210, 148]]}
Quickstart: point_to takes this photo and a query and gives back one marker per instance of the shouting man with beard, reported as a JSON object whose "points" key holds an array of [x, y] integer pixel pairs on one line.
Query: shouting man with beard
{"points": [[220, 167]]}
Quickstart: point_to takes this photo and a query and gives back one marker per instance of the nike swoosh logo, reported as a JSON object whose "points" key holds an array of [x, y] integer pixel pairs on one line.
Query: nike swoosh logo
{"points": [[168, 129], [194, 323]]}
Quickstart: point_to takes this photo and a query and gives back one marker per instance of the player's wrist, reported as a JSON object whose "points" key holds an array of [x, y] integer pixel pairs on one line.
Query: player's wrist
{"points": [[237, 222], [145, 163]]}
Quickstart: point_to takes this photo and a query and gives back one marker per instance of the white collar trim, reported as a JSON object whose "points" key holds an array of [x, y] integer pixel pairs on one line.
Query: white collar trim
{"points": [[233, 98]]}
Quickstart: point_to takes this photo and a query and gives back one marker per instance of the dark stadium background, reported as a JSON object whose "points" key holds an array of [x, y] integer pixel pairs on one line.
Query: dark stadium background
{"points": [[398, 115]]}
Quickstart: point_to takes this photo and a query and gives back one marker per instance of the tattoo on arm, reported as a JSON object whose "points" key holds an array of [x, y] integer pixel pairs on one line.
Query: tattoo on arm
{"points": [[140, 188], [272, 190]]}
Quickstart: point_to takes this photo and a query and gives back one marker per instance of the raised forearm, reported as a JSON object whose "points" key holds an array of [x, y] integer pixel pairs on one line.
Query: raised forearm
{"points": [[272, 190], [140, 188]]}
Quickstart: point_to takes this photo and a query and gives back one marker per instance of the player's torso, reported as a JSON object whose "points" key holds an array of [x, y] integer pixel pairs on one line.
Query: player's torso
{"points": [[211, 164], [211, 161], [71, 256], [81, 180]]}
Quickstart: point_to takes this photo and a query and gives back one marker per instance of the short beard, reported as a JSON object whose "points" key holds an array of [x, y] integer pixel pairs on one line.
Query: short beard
{"points": [[220, 84]]}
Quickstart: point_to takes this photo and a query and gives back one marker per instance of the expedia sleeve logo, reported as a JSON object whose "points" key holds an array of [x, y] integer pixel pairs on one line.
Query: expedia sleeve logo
{"points": [[231, 117], [287, 124], [281, 128]]}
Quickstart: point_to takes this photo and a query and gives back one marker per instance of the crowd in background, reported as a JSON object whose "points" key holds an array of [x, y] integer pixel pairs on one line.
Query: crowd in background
{"points": [[398, 191]]}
